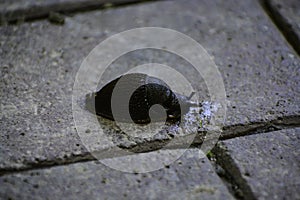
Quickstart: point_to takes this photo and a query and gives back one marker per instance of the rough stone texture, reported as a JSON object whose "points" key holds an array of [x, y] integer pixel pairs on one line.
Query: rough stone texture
{"points": [[11, 10], [39, 61], [266, 166], [190, 177], [287, 15]]}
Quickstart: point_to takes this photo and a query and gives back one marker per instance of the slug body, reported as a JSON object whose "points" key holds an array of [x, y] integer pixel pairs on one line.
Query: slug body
{"points": [[147, 91]]}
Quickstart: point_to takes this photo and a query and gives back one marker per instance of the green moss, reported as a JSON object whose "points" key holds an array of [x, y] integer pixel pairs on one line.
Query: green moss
{"points": [[210, 155], [200, 123], [56, 18]]}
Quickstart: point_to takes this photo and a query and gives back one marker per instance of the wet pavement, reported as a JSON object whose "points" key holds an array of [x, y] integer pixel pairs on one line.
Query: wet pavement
{"points": [[42, 153]]}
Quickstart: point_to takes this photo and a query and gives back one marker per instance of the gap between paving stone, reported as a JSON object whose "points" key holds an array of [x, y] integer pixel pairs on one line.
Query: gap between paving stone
{"points": [[191, 176], [237, 186], [237, 172], [34, 10], [286, 29], [244, 130], [260, 127], [227, 179]]}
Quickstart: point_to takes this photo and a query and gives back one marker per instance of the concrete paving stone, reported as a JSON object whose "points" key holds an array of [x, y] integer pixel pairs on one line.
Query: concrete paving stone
{"points": [[11, 10], [287, 14], [266, 166], [39, 61], [190, 177]]}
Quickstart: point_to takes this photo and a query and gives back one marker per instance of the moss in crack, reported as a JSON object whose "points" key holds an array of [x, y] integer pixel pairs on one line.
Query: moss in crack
{"points": [[211, 156], [56, 18]]}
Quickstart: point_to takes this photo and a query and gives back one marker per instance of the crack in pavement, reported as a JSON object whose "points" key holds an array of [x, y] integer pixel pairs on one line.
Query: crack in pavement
{"points": [[283, 26], [40, 12], [260, 127], [240, 190], [229, 132]]}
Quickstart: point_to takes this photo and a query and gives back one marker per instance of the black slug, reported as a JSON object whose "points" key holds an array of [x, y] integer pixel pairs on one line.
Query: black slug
{"points": [[148, 91]]}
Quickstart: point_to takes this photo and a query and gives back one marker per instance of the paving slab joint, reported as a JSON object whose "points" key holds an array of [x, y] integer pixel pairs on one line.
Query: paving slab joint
{"points": [[280, 123], [230, 174], [229, 132], [22, 15], [226, 178], [48, 163], [284, 27]]}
